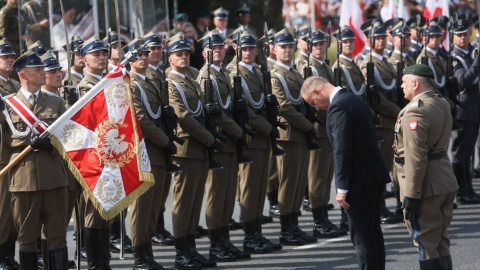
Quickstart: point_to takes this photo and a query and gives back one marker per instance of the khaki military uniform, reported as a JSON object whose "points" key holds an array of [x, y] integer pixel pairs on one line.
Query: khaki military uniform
{"points": [[34, 13], [38, 183], [221, 184], [8, 233], [395, 58], [292, 168], [386, 124], [9, 24], [356, 81], [253, 177], [189, 186], [320, 168], [145, 210], [301, 61], [423, 171], [192, 72], [272, 169]]}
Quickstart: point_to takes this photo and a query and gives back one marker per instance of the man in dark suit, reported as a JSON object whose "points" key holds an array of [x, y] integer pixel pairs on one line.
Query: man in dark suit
{"points": [[360, 172]]}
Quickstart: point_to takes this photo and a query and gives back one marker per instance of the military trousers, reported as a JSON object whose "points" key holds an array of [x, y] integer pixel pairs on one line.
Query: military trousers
{"points": [[7, 229], [320, 174], [93, 219], [272, 173]]}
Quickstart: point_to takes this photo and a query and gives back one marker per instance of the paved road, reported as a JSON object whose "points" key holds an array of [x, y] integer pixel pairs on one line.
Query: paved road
{"points": [[335, 253]]}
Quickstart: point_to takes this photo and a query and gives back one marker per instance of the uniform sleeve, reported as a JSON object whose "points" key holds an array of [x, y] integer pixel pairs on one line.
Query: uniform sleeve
{"points": [[388, 107], [149, 130], [187, 122], [229, 126], [466, 77], [259, 123], [414, 128], [287, 110]]}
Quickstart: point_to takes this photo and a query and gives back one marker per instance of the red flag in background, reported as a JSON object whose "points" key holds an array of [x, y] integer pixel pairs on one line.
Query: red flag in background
{"points": [[352, 15]]}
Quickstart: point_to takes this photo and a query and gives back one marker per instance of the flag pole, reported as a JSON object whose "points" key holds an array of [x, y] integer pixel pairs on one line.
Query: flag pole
{"points": [[16, 160]]}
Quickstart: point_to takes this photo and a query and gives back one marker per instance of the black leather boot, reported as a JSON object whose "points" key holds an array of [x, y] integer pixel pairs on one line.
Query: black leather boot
{"points": [[182, 258], [93, 242], [14, 265], [446, 263], [195, 256], [44, 254], [233, 225], [162, 237], [143, 261], [287, 236], [241, 255], [218, 251], [83, 251], [263, 239], [3, 257], [58, 259], [28, 260], [386, 217], [105, 248], [273, 199], [321, 228], [298, 232], [154, 265], [398, 208], [332, 226], [433, 264], [251, 243], [115, 239]]}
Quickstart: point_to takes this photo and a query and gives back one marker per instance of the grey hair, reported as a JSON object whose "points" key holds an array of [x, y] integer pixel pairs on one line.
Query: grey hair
{"points": [[425, 82], [310, 83]]}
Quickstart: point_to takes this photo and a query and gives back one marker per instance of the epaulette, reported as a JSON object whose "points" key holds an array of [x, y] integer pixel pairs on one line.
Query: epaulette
{"points": [[414, 104], [50, 94]]}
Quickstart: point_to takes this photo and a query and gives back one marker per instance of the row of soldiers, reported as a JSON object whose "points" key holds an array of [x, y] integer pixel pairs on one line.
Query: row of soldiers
{"points": [[286, 152]]}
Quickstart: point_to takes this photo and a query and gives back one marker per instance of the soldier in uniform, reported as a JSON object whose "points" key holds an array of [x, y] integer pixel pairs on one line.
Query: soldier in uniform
{"points": [[302, 43], [189, 186], [292, 167], [38, 183], [113, 49], [161, 236], [401, 34], [415, 23], [35, 14], [320, 171], [253, 177], [9, 24], [466, 71], [145, 209], [8, 233], [388, 26], [221, 184], [78, 65], [97, 229], [443, 21], [386, 82], [220, 21], [422, 135], [243, 17]]}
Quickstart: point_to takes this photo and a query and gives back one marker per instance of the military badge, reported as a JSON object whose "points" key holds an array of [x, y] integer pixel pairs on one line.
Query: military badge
{"points": [[273, 81], [454, 63], [170, 90], [413, 124]]}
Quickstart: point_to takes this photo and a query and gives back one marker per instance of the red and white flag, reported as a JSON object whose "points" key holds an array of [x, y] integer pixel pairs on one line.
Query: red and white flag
{"points": [[352, 15], [402, 10], [101, 140], [432, 9]]}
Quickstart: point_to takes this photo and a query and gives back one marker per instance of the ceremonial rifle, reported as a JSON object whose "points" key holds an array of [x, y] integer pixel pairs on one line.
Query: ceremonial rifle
{"points": [[109, 46], [295, 34], [338, 73], [372, 94], [271, 102], [451, 87], [329, 41], [240, 112], [427, 40], [397, 96]]}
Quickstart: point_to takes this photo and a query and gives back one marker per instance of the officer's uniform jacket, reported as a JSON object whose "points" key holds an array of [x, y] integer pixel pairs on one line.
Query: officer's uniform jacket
{"points": [[39, 170], [290, 107], [191, 72], [467, 71], [87, 83], [301, 61], [356, 81], [422, 131], [33, 14], [395, 58], [221, 83], [256, 108], [6, 88], [148, 108], [156, 75], [386, 78], [189, 111], [270, 63]]}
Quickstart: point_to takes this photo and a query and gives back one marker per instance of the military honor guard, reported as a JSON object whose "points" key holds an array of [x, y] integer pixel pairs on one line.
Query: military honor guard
{"points": [[113, 44], [38, 184], [388, 26], [77, 66], [415, 23], [145, 210], [221, 186], [401, 42], [423, 169], [292, 167], [443, 22], [8, 232], [466, 71], [189, 186]]}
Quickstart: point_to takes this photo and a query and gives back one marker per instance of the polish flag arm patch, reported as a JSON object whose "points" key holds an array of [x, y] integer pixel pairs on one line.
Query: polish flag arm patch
{"points": [[413, 124]]}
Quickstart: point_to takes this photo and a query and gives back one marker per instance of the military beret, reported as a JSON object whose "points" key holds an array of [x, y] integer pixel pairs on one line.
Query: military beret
{"points": [[75, 44], [135, 44], [271, 33], [283, 37], [152, 39], [38, 48], [50, 62], [6, 48], [419, 70], [178, 43], [221, 13], [217, 39], [346, 33], [93, 44], [180, 17], [28, 59]]}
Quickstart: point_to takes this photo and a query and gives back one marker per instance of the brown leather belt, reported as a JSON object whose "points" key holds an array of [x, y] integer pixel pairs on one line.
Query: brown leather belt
{"points": [[431, 157]]}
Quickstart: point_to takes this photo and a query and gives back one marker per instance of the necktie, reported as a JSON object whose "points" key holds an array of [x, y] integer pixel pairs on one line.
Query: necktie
{"points": [[34, 102]]}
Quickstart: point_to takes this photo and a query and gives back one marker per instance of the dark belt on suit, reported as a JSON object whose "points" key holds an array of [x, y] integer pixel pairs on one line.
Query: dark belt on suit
{"points": [[430, 157]]}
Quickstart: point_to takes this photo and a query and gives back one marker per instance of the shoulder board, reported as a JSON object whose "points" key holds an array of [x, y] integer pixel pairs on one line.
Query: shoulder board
{"points": [[50, 94], [414, 104]]}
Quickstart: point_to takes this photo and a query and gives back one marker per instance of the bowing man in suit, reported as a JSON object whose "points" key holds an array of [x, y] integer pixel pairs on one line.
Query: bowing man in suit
{"points": [[360, 172]]}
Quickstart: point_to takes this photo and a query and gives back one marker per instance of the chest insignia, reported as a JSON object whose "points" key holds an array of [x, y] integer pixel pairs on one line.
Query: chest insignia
{"points": [[413, 124]]}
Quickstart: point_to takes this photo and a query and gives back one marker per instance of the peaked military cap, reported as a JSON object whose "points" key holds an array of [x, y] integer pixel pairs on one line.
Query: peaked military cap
{"points": [[400, 29], [38, 48], [236, 32], [6, 48], [303, 31], [28, 59], [178, 43], [419, 70], [50, 61], [461, 26], [180, 17], [367, 24], [221, 13], [346, 33], [318, 35], [217, 38], [283, 37], [243, 11], [152, 39], [433, 29], [113, 39], [271, 33], [376, 30], [92, 44], [389, 25], [75, 45], [442, 21], [247, 40], [416, 21], [135, 44]]}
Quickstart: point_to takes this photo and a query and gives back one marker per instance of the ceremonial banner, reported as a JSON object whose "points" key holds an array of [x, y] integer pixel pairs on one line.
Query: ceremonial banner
{"points": [[100, 138], [352, 15]]}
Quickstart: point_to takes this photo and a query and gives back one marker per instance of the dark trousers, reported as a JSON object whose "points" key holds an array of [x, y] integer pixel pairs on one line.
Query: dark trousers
{"points": [[365, 231]]}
